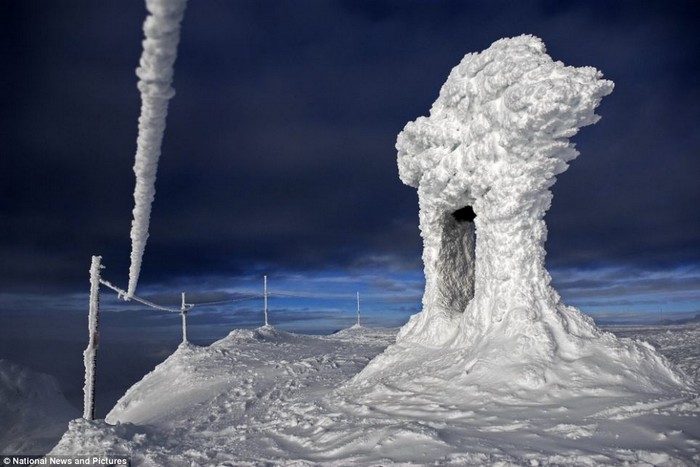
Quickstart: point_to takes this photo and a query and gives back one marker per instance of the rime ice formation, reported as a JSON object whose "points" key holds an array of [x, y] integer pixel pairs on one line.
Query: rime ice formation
{"points": [[495, 140], [483, 163], [155, 72]]}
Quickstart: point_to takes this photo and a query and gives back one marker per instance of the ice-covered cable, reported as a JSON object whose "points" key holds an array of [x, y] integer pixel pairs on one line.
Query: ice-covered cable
{"points": [[155, 72], [122, 293]]}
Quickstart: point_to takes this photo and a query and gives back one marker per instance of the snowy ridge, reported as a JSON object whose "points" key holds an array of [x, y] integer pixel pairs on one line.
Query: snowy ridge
{"points": [[187, 370], [33, 411], [266, 397]]}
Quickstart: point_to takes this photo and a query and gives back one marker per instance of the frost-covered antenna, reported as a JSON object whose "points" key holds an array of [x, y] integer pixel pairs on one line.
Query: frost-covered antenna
{"points": [[358, 309], [265, 298], [90, 353], [183, 312]]}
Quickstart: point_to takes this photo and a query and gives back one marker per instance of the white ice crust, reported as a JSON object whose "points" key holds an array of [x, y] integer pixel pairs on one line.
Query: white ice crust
{"points": [[155, 72], [496, 138]]}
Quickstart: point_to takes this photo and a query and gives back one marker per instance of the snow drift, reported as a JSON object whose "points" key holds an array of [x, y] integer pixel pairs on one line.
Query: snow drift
{"points": [[483, 163], [267, 397], [162, 30]]}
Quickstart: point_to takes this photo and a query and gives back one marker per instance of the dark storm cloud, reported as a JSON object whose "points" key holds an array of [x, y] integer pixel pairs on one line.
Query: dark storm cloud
{"points": [[629, 198], [279, 146], [631, 294]]}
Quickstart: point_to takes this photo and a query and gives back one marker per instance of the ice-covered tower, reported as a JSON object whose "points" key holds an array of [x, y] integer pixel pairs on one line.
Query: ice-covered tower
{"points": [[483, 163]]}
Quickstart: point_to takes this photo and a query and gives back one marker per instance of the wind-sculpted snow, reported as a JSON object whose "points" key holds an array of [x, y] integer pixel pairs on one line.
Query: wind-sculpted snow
{"points": [[155, 72], [267, 397], [483, 163]]}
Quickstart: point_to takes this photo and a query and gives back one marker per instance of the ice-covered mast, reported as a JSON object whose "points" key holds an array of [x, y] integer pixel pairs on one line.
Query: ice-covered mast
{"points": [[155, 72], [265, 299]]}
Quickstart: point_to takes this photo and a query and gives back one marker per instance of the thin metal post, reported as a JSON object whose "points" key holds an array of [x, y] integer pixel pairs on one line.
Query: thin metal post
{"points": [[90, 353], [358, 309], [183, 312], [265, 295]]}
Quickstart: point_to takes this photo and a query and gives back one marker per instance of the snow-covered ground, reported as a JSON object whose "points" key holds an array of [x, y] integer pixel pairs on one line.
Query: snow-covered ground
{"points": [[33, 411], [265, 396]]}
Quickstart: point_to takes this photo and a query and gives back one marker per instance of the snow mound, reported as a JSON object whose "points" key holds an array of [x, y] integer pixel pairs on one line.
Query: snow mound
{"points": [[483, 163], [247, 401], [97, 438], [33, 411], [262, 334], [254, 357]]}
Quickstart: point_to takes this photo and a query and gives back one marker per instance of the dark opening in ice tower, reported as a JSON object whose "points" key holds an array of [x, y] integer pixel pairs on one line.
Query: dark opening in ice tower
{"points": [[456, 260], [466, 214]]}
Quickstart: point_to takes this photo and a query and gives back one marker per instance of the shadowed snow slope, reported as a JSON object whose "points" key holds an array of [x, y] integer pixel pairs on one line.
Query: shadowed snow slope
{"points": [[267, 397], [33, 411]]}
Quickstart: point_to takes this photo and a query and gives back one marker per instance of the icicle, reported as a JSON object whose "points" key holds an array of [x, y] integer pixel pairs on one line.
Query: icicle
{"points": [[162, 31]]}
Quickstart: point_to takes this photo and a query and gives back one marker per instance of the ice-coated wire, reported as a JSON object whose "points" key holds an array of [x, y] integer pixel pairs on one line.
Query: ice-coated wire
{"points": [[123, 294]]}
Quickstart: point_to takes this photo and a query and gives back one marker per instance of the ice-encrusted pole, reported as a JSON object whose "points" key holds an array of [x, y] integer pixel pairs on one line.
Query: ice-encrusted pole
{"points": [[358, 309], [183, 312], [155, 72], [90, 353], [265, 298]]}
